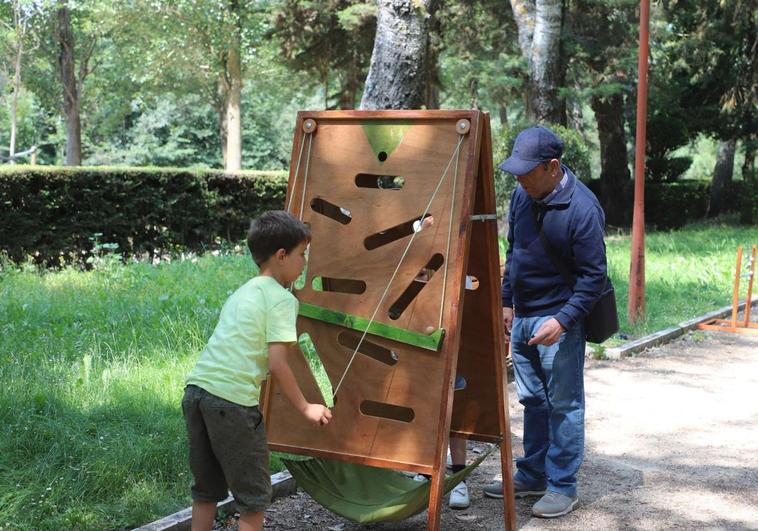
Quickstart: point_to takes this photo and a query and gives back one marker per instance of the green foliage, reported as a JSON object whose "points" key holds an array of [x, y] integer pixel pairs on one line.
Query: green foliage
{"points": [[331, 41], [710, 49], [480, 64], [178, 132], [666, 131], [744, 194], [53, 214]]}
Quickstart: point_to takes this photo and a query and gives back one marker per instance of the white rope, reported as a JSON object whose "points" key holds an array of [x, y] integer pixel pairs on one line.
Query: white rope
{"points": [[297, 171], [305, 183], [397, 268], [305, 177], [449, 233]]}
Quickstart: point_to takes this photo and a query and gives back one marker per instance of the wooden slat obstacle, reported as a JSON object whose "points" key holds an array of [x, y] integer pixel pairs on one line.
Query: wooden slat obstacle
{"points": [[401, 207], [733, 325]]}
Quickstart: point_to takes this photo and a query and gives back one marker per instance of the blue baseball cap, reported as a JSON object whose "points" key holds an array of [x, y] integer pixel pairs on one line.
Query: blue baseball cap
{"points": [[534, 145]]}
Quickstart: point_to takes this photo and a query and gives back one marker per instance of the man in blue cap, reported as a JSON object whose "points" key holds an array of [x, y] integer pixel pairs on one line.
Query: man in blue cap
{"points": [[544, 314]]}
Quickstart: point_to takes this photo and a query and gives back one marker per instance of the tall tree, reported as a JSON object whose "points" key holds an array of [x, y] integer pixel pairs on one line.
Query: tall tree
{"points": [[481, 64], [715, 46], [723, 172], [540, 25], [78, 28], [19, 31], [232, 84], [208, 46], [602, 43], [331, 41], [71, 82], [398, 63]]}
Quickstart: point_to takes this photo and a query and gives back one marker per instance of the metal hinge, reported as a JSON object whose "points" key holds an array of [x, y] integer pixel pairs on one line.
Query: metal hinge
{"points": [[483, 217]]}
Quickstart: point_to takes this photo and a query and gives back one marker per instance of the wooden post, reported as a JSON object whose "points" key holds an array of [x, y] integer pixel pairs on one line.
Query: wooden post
{"points": [[749, 296], [636, 306], [736, 291]]}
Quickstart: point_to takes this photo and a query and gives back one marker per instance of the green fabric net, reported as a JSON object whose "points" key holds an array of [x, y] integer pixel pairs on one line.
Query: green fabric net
{"points": [[367, 494]]}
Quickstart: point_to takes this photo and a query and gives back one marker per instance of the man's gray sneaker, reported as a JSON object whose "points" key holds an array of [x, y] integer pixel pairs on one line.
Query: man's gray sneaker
{"points": [[495, 490], [553, 505]]}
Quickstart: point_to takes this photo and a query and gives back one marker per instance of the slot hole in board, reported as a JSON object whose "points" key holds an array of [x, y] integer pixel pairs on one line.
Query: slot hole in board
{"points": [[338, 285], [414, 288], [380, 182], [383, 410], [367, 348], [397, 232], [332, 211]]}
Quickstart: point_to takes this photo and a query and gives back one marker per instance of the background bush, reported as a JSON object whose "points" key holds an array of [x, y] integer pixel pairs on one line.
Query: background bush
{"points": [[57, 215]]}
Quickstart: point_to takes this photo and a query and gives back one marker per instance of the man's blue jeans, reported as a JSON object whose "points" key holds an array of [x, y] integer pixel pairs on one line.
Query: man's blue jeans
{"points": [[550, 385]]}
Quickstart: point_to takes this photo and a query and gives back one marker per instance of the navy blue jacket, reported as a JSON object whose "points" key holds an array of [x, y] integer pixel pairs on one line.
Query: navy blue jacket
{"points": [[574, 224]]}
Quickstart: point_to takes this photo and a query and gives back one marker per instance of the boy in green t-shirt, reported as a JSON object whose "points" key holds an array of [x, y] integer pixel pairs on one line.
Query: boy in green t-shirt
{"points": [[256, 329]]}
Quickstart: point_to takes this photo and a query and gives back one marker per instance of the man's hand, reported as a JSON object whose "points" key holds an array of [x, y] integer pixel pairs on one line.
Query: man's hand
{"points": [[317, 413], [548, 334], [508, 321]]}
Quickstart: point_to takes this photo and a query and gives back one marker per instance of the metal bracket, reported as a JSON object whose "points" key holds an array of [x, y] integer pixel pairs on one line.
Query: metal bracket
{"points": [[483, 217]]}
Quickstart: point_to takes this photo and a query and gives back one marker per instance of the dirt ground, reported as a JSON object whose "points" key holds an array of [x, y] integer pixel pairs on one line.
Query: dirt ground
{"points": [[671, 443]]}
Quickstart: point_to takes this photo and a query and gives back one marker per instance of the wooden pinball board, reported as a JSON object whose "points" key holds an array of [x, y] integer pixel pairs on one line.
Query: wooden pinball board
{"points": [[362, 181]]}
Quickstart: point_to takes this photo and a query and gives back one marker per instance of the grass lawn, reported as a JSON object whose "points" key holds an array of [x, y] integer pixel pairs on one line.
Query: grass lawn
{"points": [[92, 367]]}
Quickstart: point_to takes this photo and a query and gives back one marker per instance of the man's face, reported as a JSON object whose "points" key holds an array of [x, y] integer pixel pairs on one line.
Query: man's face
{"points": [[541, 180]]}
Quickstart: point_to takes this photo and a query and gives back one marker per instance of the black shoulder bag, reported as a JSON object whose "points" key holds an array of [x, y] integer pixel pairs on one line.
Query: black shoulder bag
{"points": [[602, 321]]}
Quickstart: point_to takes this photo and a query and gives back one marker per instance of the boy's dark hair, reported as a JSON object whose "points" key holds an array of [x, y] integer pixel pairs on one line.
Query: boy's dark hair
{"points": [[274, 230]]}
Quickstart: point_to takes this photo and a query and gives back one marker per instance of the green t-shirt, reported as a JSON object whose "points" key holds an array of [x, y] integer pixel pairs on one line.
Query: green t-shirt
{"points": [[235, 360]]}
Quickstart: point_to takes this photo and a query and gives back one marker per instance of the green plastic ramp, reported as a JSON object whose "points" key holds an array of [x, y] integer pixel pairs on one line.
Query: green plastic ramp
{"points": [[367, 494]]}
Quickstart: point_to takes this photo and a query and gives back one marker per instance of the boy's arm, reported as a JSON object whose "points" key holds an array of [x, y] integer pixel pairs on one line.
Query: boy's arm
{"points": [[280, 369]]}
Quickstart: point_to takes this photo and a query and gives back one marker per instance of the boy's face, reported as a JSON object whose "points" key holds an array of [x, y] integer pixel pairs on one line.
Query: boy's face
{"points": [[292, 263]]}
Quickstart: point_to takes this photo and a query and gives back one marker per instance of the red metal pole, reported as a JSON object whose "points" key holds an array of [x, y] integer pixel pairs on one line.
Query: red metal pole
{"points": [[636, 308]]}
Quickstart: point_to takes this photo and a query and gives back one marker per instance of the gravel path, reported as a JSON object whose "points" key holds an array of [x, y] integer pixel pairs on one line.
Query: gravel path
{"points": [[672, 443]]}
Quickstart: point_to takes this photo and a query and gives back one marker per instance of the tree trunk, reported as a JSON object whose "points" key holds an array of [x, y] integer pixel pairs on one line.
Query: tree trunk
{"points": [[234, 113], [574, 117], [220, 106], [502, 111], [614, 173], [523, 12], [539, 35], [398, 63], [349, 85], [66, 64], [545, 62], [234, 96], [748, 166], [722, 176], [14, 100], [432, 82]]}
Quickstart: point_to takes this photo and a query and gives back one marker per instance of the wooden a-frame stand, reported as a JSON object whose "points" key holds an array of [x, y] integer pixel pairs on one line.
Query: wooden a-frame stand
{"points": [[430, 309]]}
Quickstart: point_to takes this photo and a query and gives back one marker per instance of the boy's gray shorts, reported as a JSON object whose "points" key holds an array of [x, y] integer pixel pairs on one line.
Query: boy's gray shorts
{"points": [[227, 451]]}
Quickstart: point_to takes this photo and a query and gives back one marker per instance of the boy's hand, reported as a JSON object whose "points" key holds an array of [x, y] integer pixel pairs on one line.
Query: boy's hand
{"points": [[507, 321], [318, 414]]}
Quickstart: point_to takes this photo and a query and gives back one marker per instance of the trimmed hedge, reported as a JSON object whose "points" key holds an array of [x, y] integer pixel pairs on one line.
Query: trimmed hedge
{"points": [[57, 215], [670, 205]]}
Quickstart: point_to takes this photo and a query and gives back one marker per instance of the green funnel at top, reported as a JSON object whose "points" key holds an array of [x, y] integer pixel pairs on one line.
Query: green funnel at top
{"points": [[383, 136]]}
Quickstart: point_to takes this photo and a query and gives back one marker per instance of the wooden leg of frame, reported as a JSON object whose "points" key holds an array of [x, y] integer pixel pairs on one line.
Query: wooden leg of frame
{"points": [[435, 499]]}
